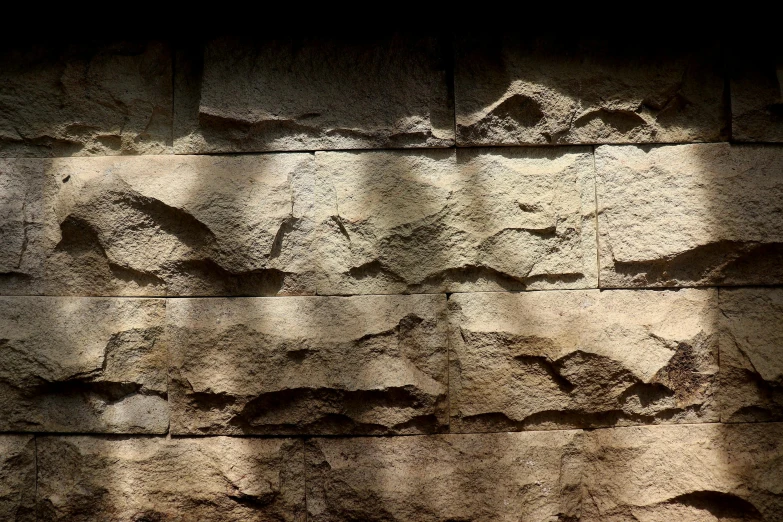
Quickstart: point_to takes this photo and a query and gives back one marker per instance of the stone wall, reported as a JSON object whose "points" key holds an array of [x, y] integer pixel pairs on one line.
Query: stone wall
{"points": [[405, 278]]}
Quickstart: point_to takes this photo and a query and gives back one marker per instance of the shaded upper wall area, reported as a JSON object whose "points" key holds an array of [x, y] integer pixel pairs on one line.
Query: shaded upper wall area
{"points": [[215, 94]]}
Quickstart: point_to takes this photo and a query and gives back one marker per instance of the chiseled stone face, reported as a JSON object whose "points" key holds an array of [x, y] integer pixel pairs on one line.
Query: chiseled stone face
{"points": [[751, 354], [23, 220], [84, 99], [312, 94], [209, 479], [757, 96], [514, 92], [182, 225], [499, 476], [691, 473], [554, 360], [321, 365], [71, 364], [704, 214], [440, 221], [17, 478]]}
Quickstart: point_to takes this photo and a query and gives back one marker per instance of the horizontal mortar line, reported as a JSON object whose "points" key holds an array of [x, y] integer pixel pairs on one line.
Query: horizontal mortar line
{"points": [[171, 436]]}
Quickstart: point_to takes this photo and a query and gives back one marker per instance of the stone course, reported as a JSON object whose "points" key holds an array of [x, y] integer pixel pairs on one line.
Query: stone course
{"points": [[391, 277]]}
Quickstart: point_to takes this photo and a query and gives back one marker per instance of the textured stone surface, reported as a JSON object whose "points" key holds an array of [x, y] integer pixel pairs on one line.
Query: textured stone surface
{"points": [[554, 360], [512, 91], [709, 214], [439, 221], [311, 94], [367, 364], [751, 354], [209, 479], [17, 478], [757, 96], [82, 365], [85, 99], [686, 473], [23, 220], [174, 225], [503, 476]]}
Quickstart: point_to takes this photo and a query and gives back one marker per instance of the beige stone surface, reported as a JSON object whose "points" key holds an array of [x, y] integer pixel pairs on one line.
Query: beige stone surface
{"points": [[70, 364], [182, 225], [573, 359], [512, 90], [751, 354], [85, 99], [23, 221], [17, 478], [440, 221], [697, 473], [501, 476], [757, 96], [322, 365], [684, 215], [314, 93], [207, 479]]}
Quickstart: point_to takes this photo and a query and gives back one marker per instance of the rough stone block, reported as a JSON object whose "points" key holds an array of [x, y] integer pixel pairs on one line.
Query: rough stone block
{"points": [[513, 91], [308, 94], [694, 473], [208, 479], [555, 360], [166, 225], [86, 99], [17, 478], [751, 354], [319, 365], [690, 215], [440, 221], [503, 476], [23, 221], [757, 96], [72, 364]]}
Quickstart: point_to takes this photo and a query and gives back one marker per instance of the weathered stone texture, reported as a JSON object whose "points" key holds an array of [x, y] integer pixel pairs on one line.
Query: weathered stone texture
{"points": [[85, 99], [17, 478], [683, 215], [23, 220], [511, 91], [757, 96], [751, 354], [554, 360], [691, 473], [508, 476], [82, 365], [328, 365], [209, 479], [440, 221], [166, 225], [314, 94]]}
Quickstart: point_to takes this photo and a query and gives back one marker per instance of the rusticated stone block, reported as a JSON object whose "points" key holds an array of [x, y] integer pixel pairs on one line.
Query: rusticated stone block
{"points": [[85, 99], [165, 225], [685, 215], [555, 360], [514, 91], [751, 354], [687, 473], [440, 221], [318, 365], [70, 364], [501, 476], [757, 96], [308, 94], [23, 221], [209, 479], [17, 478]]}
